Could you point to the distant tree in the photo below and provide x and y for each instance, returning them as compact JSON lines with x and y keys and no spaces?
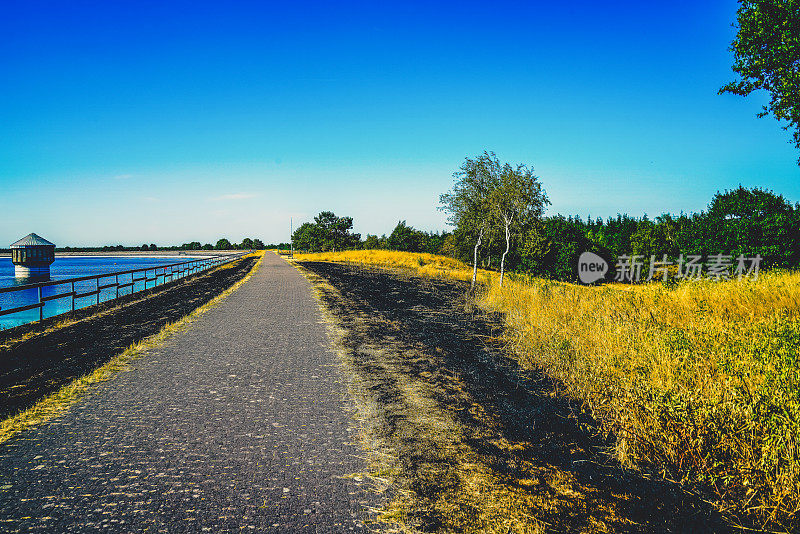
{"x":208,"y":246}
{"x":406,"y":238}
{"x":371,"y":242}
{"x":258,"y":244}
{"x":223,"y":244}
{"x":448,"y":246}
{"x":767,"y":56}
{"x":327,"y":232}
{"x":307,"y":237}
{"x":335,"y":231}
{"x":650,"y":239}
{"x":467,"y":204}
{"x":750,"y":222}
{"x":516,"y":199}
{"x":550,"y":247}
{"x":145,"y":247}
{"x":247,"y":243}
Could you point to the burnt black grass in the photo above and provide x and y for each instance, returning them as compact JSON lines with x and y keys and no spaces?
{"x":404,"y":333}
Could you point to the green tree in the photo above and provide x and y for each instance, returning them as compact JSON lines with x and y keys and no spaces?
{"x":258,"y":244}
{"x":307,"y":237}
{"x":767,"y":56}
{"x":371,"y":242}
{"x":406,"y":238}
{"x":247,"y":244}
{"x":516,"y":199}
{"x":208,"y":246}
{"x":550,"y":247}
{"x":335,"y":231}
{"x":650,"y":239}
{"x":223,"y":244}
{"x":467,"y":204}
{"x":750,"y":222}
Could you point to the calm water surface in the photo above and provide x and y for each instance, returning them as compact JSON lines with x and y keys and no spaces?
{"x":71,"y":267}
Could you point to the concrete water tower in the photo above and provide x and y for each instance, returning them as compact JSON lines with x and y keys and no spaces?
{"x":32,"y":256}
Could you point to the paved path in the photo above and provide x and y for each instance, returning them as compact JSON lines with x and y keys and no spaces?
{"x":237,"y":423}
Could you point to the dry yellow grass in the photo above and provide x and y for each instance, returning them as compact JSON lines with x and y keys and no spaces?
{"x":700,"y":381}
{"x":418,"y":262}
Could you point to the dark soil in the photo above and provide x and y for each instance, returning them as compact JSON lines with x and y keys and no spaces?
{"x":43,"y":363}
{"x":517,"y":424}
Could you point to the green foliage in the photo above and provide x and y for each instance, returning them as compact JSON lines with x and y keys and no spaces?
{"x":746,"y":222}
{"x":371,"y":242}
{"x":489,"y":202}
{"x":767,"y":56}
{"x":406,"y":238}
{"x":753,"y":221}
{"x":650,"y":239}
{"x":550,"y":247}
{"x":223,"y":244}
{"x":468,"y":204}
{"x":327,"y":233}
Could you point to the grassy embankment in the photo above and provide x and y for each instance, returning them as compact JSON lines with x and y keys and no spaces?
{"x":419,"y":263}
{"x":699,"y":382}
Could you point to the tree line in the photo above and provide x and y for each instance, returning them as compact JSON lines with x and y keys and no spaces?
{"x":221,"y":244}
{"x":496,"y":211}
{"x":329,"y":233}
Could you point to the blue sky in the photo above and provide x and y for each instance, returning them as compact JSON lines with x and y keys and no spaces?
{"x":168,"y":122}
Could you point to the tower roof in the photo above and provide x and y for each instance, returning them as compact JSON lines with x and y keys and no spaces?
{"x":32,"y":240}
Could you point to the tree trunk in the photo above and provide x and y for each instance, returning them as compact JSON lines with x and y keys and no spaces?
{"x":475,"y":259}
{"x":508,"y":245}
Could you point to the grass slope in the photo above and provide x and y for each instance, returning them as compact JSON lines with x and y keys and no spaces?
{"x":698,"y":382}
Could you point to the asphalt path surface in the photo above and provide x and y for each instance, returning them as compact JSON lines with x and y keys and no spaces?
{"x":238,"y":423}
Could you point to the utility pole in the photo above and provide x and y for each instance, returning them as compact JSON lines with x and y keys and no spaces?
{"x":291,"y":239}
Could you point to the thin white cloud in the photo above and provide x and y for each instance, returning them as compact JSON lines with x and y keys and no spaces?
{"x":235,"y":196}
{"x":151,"y":199}
{"x":123,"y":176}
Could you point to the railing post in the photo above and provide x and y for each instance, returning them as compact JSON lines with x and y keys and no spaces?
{"x":41,"y":308}
{"x":97,"y":288}
{"x":116,"y":289}
{"x":73,"y":296}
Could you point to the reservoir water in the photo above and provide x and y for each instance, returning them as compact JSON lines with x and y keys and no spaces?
{"x":72,"y":267}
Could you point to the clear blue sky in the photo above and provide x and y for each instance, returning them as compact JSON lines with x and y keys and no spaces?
{"x":168,"y":122}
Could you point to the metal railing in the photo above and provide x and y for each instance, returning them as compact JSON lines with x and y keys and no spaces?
{"x":122,"y":281}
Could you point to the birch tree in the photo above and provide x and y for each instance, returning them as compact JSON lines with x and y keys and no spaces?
{"x":468,"y":202}
{"x":515,"y":199}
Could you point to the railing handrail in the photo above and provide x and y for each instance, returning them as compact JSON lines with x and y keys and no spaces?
{"x":206,"y":263}
{"x":115,"y":273}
